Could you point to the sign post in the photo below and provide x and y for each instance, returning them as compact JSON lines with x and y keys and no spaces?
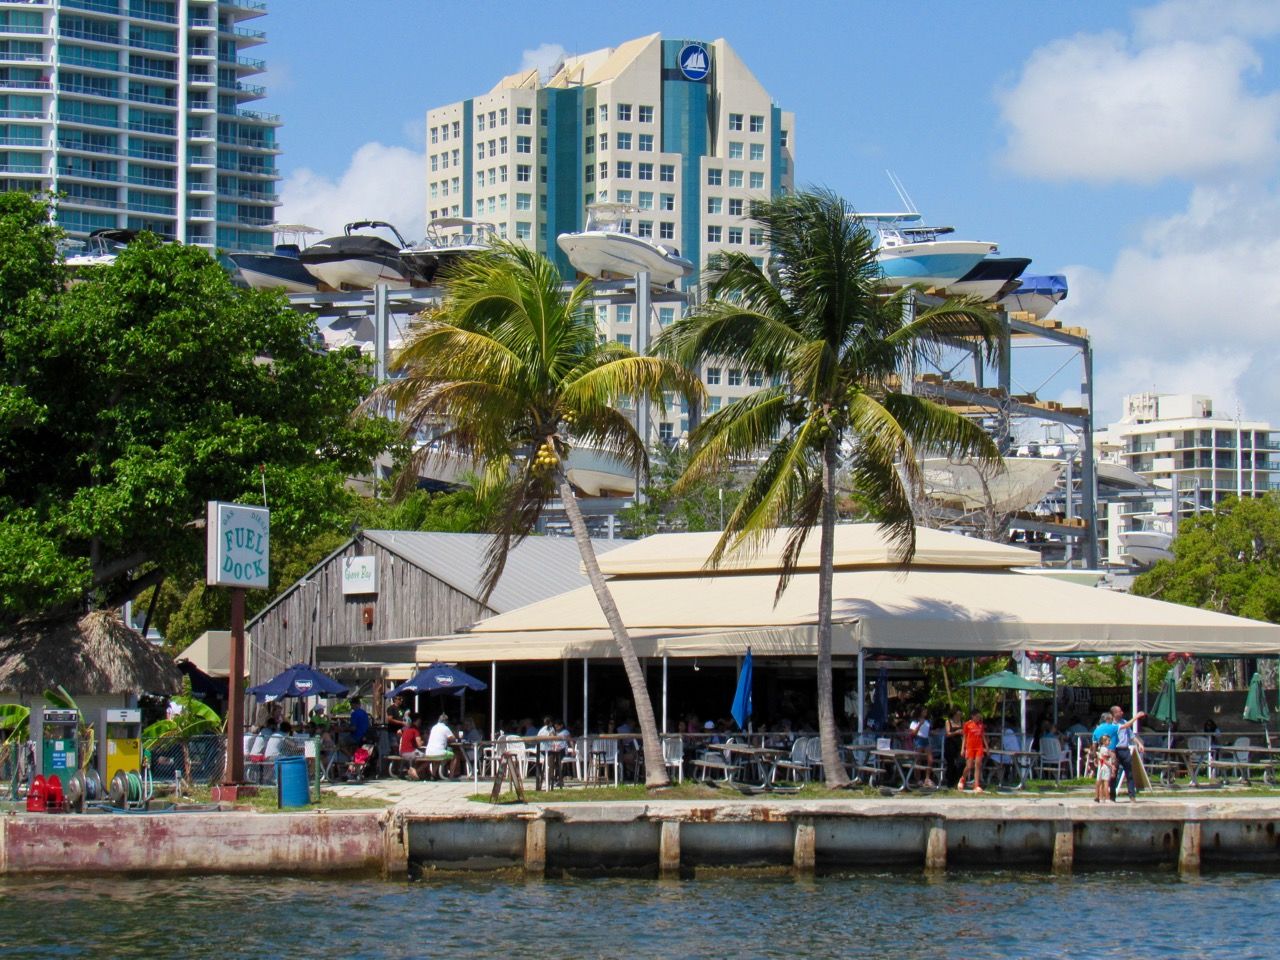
{"x":238,"y":556}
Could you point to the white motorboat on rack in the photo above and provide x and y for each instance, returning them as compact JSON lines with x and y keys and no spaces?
{"x":282,"y":269}
{"x":607,"y":250}
{"x":1037,"y":295}
{"x":101,"y":248}
{"x":448,"y":240}
{"x":358,"y":261}
{"x":1148,"y":544}
{"x":912,"y":253}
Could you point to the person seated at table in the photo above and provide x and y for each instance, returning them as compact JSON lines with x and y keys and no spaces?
{"x":975,"y":751}
{"x":442,"y":759}
{"x":471,"y":732}
{"x":920,"y":729}
{"x":412,"y":748}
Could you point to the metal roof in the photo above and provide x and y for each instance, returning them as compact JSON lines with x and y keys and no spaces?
{"x":538,"y":568}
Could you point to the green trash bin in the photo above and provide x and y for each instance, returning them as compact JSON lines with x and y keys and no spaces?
{"x":292,"y":788}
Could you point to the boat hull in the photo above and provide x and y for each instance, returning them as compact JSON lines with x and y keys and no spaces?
{"x":357,"y":262}
{"x":1145,"y":548}
{"x":599,"y":253}
{"x":269,"y":271}
{"x":1037,"y":295}
{"x":935,"y":263}
{"x":991,"y":278}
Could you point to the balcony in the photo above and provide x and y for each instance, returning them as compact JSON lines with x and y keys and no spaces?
{"x":153,"y":16}
{"x":23,"y":142}
{"x":152,"y":45}
{"x":274,"y":118}
{"x":72,"y":200}
{"x":23,"y":115}
{"x":152,"y":156}
{"x":81,"y":173}
{"x":156,"y":129}
{"x":25,"y":84}
{"x":154,"y":101}
{"x":200,"y":23}
{"x":254,"y":8}
{"x":81,"y":146}
{"x":170,"y":75}
{"x":93,"y":36}
{"x":38,"y":58}
{"x":22,"y":169}
{"x":111,"y":7}
{"x":200,"y":53}
{"x":249,"y":143}
{"x":26,"y":29}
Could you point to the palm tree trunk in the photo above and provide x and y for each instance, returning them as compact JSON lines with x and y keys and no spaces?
{"x":655,"y":768}
{"x":832,"y":765}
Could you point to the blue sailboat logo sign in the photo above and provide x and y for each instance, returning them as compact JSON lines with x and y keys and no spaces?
{"x":694,"y":61}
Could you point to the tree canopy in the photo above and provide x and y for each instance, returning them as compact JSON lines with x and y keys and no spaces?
{"x":139,"y":391}
{"x":1226,"y":560}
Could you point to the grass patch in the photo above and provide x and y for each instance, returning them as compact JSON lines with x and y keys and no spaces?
{"x":264,"y":801}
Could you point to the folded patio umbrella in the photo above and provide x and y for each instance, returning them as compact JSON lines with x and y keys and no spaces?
{"x":1255,"y":706}
{"x":1165,"y":708}
{"x":742,"y":698}
{"x":299,"y":680}
{"x":879,"y":717}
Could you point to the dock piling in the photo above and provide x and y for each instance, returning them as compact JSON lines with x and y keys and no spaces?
{"x":804,"y":856}
{"x":1064,"y":847}
{"x":1189,"y":849}
{"x":935,"y":847}
{"x":669,"y":848}
{"x":535,"y":846}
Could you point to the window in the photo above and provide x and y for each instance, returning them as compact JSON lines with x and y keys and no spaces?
{"x":735,"y":234}
{"x":542,"y":116}
{"x":624,"y":313}
{"x":735,"y":378}
{"x":457,"y":157}
{"x":714,"y":234}
{"x":523,"y":230}
{"x":757,"y":151}
{"x":645,"y":171}
{"x":735,"y":178}
{"x":524,"y":201}
{"x":502,"y":175}
{"x":624,"y":111}
{"x":644,"y":228}
{"x":624,"y":340}
{"x":602,"y":314}
{"x":542,"y":174}
{"x":457,"y":129}
{"x":714,"y":205}
{"x":624,"y":141}
{"x":714,"y":177}
{"x":713,"y":404}
{"x":757,"y":180}
{"x":666,"y":230}
{"x":755,"y":378}
{"x":757,"y":123}
{"x":604,"y":141}
{"x":480,"y":150}
{"x":713,"y":376}
{"x":757,"y":236}
{"x":735,"y":121}
{"x":591,"y":116}
{"x":735,"y":149}
{"x":624,"y":196}
{"x":480,"y":179}
{"x":589,"y":144}
{"x":493,"y":118}
{"x":502,"y":146}
{"x":646,"y":143}
{"x":444,"y":131}
{"x":524,"y":116}
{"x":666,"y":432}
{"x":503,"y":115}
{"x":524,"y":144}
{"x":667,"y":201}
{"x":435,"y":134}
{"x":646,"y":200}
{"x":434,"y":159}
{"x":604,"y":112}
{"x":604,"y":171}
{"x":735,"y":208}
{"x":624,"y":169}
{"x":645,"y":114}
{"x":542,"y":146}
{"x":591,"y":173}
{"x":479,"y":121}
{"x":667,"y":173}
{"x":524,"y":173}
{"x":666,"y":315}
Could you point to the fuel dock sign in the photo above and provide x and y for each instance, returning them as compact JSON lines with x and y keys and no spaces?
{"x":239,"y":545}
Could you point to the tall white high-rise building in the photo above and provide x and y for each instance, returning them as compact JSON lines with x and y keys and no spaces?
{"x":134,"y":112}
{"x":688,"y":140}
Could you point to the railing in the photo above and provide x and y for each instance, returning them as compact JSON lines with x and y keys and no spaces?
{"x":42,"y":58}
{"x":274,"y":118}
{"x":25,"y":84}
{"x":67,"y":86}
{"x":257,"y":6}
{"x":152,"y":16}
{"x":96,"y":6}
{"x":20,"y":168}
{"x":199,"y":103}
{"x":90,"y":174}
{"x":90,"y":147}
{"x":200,"y":23}
{"x":96,"y":36}
{"x":157,"y":101}
{"x":154,"y":182}
{"x":28,"y":29}
{"x":70,"y":60}
{"x":170,"y":75}
{"x":21,"y":115}
{"x":246,"y":34}
{"x":153,"y":156}
{"x":251,"y":62}
{"x":153,"y":45}
{"x":22,"y":142}
{"x":92,"y":202}
{"x":139,"y":127}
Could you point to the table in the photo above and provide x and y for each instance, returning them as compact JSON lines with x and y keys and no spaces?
{"x":896,"y":759}
{"x":1168,"y":760}
{"x":764,"y":759}
{"x":1267,"y":759}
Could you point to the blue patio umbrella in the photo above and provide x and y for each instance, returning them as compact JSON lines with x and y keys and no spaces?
{"x":878,"y":719}
{"x":742,"y":699}
{"x":440,"y":678}
{"x":299,"y":680}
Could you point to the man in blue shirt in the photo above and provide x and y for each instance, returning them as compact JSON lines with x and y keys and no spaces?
{"x":359,"y":723}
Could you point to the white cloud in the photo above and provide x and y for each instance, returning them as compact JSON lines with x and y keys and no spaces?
{"x":380,"y":183}
{"x":1207,"y":18}
{"x":542,"y":57}
{"x":1191,"y":306}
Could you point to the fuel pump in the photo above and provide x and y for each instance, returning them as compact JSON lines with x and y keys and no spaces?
{"x":119,"y":742}
{"x":57,"y":739}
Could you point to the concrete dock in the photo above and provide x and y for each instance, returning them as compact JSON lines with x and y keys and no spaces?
{"x":434,"y":827}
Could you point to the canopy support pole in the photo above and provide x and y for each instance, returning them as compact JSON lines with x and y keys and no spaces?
{"x":584,"y":696}
{"x":564,"y":690}
{"x":493,"y":699}
{"x":664,"y":693}
{"x":1133,"y":684}
{"x":972,"y":677}
{"x":862,"y":696}
{"x":1053,"y":668}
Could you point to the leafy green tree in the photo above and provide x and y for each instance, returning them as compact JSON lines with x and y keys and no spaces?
{"x":821,"y":329}
{"x":136,"y":394}
{"x":702,"y":506}
{"x":511,"y":374}
{"x":1227,"y":560}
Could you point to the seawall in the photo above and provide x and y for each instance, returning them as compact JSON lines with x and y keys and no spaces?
{"x":674,"y":838}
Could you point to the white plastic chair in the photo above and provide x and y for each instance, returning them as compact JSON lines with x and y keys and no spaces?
{"x":673,"y":756}
{"x":520,"y":750}
{"x":1053,"y":757}
{"x":1241,"y":758}
{"x":1199,"y":757}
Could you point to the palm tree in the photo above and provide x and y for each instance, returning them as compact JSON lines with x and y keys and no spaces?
{"x":833,"y":343}
{"x":510,"y":372}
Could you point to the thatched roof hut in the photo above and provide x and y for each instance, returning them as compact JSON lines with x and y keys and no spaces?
{"x":96,"y":654}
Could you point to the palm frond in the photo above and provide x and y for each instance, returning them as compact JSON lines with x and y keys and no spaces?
{"x":742,"y":429}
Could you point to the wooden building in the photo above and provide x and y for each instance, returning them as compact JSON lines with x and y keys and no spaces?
{"x":385,"y":586}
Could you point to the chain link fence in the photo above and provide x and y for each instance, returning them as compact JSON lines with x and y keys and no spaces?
{"x":200,"y":761}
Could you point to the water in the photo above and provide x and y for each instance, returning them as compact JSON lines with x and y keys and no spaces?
{"x":992,"y":915}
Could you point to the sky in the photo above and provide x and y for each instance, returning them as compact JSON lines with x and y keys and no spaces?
{"x":1134,"y":147}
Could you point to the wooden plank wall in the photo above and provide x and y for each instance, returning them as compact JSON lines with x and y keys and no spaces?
{"x":409,"y":603}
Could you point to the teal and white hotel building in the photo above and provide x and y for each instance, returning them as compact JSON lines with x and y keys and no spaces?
{"x":679,"y":129}
{"x":136,"y":113}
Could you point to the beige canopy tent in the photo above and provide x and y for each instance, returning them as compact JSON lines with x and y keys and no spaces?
{"x":211,"y":652}
{"x":960,"y":596}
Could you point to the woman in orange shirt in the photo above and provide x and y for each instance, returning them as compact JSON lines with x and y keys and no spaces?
{"x":975,"y":748}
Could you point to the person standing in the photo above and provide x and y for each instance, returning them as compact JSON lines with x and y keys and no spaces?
{"x":955,"y":746}
{"x":975,"y":751}
{"x":1106,"y":758}
{"x":1124,"y":744}
{"x":921,"y":728}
